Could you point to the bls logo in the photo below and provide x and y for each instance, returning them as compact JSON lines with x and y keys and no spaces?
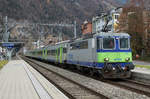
{"x":117,"y":59}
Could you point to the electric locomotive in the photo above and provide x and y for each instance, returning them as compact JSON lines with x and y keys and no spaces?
{"x":108,"y":53}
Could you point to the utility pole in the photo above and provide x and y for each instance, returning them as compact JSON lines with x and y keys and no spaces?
{"x":6,"y":28}
{"x":75,"y":29}
{"x":60,"y":34}
{"x":6,"y":33}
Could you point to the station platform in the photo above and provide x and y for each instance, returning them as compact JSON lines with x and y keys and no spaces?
{"x":141,"y":74}
{"x":18,"y":80}
{"x":142,"y":70}
{"x":137,"y":62}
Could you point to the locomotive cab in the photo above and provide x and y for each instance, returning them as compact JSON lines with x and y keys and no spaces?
{"x":114,"y":55}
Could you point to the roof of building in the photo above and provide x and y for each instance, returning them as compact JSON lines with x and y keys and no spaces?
{"x":111,"y":34}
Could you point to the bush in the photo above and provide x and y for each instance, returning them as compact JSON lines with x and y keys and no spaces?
{"x":2,"y":63}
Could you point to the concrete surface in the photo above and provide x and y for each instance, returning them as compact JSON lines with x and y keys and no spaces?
{"x":136,"y":62}
{"x":141,"y":74}
{"x":18,"y":80}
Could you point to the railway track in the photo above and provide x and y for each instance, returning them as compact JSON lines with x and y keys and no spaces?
{"x":131,"y":85}
{"x":137,"y":82}
{"x":72,"y":89}
{"x":126,"y":84}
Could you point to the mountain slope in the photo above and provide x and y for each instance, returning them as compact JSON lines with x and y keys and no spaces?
{"x":52,"y":10}
{"x":55,"y":11}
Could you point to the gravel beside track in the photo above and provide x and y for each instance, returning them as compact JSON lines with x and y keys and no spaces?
{"x":103,"y":88}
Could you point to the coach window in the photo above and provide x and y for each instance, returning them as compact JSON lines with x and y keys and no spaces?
{"x":124,"y":43}
{"x":40,"y":52}
{"x":35,"y":53}
{"x":108,"y":43}
{"x":78,"y":45}
{"x":84,"y":45}
{"x":98,"y":43}
{"x":48,"y":52}
{"x":53,"y":52}
{"x":73,"y":46}
{"x":64,"y":50}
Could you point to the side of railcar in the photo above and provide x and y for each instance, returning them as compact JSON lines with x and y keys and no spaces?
{"x":61,"y":54}
{"x":31,"y":53}
{"x":56,"y":53}
{"x":39,"y":54}
{"x":81,"y":53}
{"x":51,"y":53}
{"x":28,"y":54}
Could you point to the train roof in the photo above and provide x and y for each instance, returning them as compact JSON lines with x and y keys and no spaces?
{"x":102,"y":34}
{"x":111,"y":34}
{"x":63,"y":42}
{"x":80,"y":39}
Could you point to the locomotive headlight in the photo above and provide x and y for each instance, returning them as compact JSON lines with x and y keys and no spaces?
{"x":106,"y":59}
{"x":128,"y":59}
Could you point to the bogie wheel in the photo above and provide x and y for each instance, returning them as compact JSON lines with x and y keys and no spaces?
{"x":100,"y":75}
{"x":92,"y":72}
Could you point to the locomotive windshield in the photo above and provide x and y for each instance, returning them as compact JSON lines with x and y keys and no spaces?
{"x":108,"y":43}
{"x":124,"y":43}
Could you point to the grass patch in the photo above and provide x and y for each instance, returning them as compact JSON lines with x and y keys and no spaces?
{"x":141,"y":66}
{"x":2,"y":63}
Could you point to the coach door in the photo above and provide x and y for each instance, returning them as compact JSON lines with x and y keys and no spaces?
{"x":94,"y":50}
{"x":60,"y":54}
{"x":64,"y":54}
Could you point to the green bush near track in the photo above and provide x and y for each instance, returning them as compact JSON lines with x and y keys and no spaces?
{"x":2,"y":63}
{"x":141,"y":66}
